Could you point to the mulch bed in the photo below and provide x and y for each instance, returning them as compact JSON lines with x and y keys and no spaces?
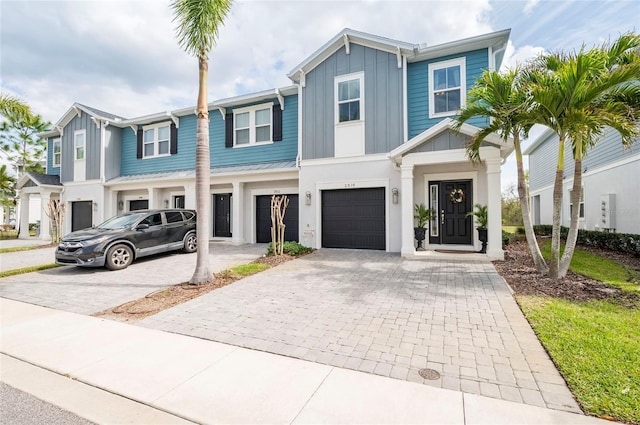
{"x":519,"y":272}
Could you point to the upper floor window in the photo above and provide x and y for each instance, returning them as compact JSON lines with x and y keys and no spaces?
{"x":79,"y":142}
{"x":57,"y":152}
{"x":155,"y":139}
{"x":252,"y":125}
{"x":349,"y":94}
{"x":447,"y":87}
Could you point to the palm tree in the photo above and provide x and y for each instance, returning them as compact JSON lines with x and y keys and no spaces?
{"x":10,"y":105}
{"x":578,"y":96}
{"x":503,"y":99}
{"x":198,"y":22}
{"x":7,"y":191}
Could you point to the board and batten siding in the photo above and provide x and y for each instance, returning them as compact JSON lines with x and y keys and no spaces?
{"x":283,"y":150}
{"x":185,"y":159}
{"x":382,"y":97}
{"x":92,"y":148}
{"x":113,"y":149}
{"x":476,"y":61}
{"x":54,"y":171}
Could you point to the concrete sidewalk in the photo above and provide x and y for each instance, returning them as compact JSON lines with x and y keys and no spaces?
{"x":177,"y":377}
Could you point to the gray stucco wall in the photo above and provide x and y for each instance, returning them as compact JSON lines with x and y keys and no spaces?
{"x":382,"y":97}
{"x":92,"y":148}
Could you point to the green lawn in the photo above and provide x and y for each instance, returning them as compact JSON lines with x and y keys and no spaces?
{"x":602,"y":269}
{"x":27,"y":270}
{"x":596,"y":347}
{"x":596,"y":344}
{"x":510,"y":229}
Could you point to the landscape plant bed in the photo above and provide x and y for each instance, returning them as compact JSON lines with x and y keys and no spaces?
{"x":163,"y":299}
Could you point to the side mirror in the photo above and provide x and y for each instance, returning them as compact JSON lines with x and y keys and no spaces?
{"x":142,"y":226}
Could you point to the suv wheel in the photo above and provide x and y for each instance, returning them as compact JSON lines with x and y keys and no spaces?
{"x":190,"y":243}
{"x":119,"y":257}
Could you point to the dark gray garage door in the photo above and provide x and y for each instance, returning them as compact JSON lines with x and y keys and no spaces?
{"x":81,"y":215}
{"x":353,"y":218}
{"x":263,"y":219}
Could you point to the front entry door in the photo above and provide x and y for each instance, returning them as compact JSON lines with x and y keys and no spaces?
{"x":452,"y":200}
{"x":222,"y":215}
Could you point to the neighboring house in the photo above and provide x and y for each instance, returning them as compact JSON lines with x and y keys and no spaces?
{"x":363,"y":134}
{"x":610,"y":184}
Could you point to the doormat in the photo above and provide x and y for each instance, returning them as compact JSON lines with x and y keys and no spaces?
{"x":453,"y":251}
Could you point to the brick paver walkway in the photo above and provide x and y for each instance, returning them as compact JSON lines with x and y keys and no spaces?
{"x":378,"y":313}
{"x":89,"y":290}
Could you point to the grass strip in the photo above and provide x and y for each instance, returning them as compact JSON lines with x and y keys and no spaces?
{"x":27,"y":269}
{"x":602,"y":269}
{"x":596,"y":347}
{"x":23,"y":248}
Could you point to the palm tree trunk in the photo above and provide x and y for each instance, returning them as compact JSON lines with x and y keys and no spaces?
{"x":202,"y":274}
{"x":572,"y":237}
{"x":554,"y":264}
{"x":523,"y":193}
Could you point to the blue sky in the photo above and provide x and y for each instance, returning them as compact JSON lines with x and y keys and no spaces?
{"x":122,"y":57}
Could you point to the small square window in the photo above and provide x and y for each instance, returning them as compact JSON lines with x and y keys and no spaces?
{"x":447,"y":88}
{"x":349,"y":98}
{"x":252,"y":125}
{"x":156,"y":140}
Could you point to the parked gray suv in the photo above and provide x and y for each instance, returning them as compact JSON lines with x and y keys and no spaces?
{"x":123,"y":238}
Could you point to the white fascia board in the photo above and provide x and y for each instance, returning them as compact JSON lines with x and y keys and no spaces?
{"x":495,"y":39}
{"x":542,"y":137}
{"x":368,"y":40}
{"x":47,"y":134}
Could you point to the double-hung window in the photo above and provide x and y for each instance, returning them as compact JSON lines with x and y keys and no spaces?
{"x":252,"y":125}
{"x":349,"y":97}
{"x":155,"y":140}
{"x":447,"y":87}
{"x":56,"y":148}
{"x":79,"y":142}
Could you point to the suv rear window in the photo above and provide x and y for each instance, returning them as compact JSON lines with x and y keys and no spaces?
{"x":188,"y":215}
{"x":173,"y":216}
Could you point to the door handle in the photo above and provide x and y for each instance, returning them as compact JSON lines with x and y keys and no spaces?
{"x":442,"y":217}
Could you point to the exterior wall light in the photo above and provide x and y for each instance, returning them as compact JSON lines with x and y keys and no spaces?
{"x":307,"y":198}
{"x":394,"y":195}
{"x":120,"y":205}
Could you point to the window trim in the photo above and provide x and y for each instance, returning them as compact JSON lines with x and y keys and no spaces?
{"x":58,"y":141}
{"x":336,"y":103}
{"x":434,"y":66}
{"x":252,"y":124}
{"x":156,"y":142}
{"x":84,"y":145}
{"x":580,"y":204}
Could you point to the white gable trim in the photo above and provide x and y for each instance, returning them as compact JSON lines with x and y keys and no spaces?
{"x":430,"y":133}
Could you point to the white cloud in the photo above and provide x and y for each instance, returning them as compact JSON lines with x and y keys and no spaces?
{"x":531,"y":4}
{"x":514,"y":57}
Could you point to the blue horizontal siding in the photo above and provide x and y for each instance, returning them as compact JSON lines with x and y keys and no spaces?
{"x":55,"y":171}
{"x":285,"y":150}
{"x":418,"y":89}
{"x":183,"y":160}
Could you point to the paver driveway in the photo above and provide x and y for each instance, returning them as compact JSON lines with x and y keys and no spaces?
{"x":378,"y":313}
{"x":88,"y":290}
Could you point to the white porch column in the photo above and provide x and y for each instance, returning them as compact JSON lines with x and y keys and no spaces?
{"x":24,"y":216}
{"x":237,"y":216}
{"x":406,"y":210}
{"x":494,"y":210}
{"x":154,"y":198}
{"x":45,"y":197}
{"x":190,"y":196}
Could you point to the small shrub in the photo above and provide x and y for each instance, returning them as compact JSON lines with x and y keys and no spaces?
{"x":506,"y":238}
{"x":520,"y":231}
{"x":292,"y":248}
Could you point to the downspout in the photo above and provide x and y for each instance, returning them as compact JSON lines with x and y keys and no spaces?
{"x":495,"y":53}
{"x":300,"y":99}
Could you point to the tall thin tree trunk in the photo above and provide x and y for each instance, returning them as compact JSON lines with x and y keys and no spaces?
{"x":523,"y":193}
{"x":554,"y":264}
{"x":202,"y":274}
{"x":572,"y":237}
